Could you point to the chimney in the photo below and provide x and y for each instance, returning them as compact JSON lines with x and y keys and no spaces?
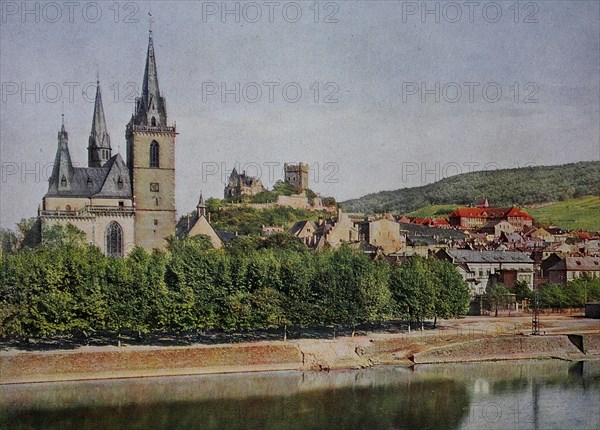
{"x":209,"y":217}
{"x":339,"y":213}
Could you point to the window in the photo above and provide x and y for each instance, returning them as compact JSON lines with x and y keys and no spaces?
{"x":68,"y":208}
{"x":114,"y":240}
{"x":120,"y":183}
{"x":121,"y":204}
{"x":154,"y":187}
{"x":89,"y":182}
{"x":63,"y":181}
{"x":154,"y":154}
{"x":153,"y":122}
{"x":155,"y":222}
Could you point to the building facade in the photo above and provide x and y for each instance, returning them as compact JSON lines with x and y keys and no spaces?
{"x":119,"y":205}
{"x":481,"y":269}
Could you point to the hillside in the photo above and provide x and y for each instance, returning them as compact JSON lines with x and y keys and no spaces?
{"x":573,"y":214}
{"x":506,"y":187}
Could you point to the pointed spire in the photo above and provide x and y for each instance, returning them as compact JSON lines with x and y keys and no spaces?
{"x":201,"y":207}
{"x":150,"y":85}
{"x":99,"y":149}
{"x":150,"y":106}
{"x":62,"y":172}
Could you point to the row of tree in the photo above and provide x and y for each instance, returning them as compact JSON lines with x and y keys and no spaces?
{"x":574,"y":294}
{"x":66,"y":286}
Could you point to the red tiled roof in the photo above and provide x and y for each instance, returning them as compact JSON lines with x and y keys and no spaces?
{"x":489,"y":213}
{"x":516,"y":212}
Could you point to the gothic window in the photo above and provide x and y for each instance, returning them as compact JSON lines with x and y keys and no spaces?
{"x":120,"y":183}
{"x":154,"y":161}
{"x":153,"y":122}
{"x":114,"y":240}
{"x":89,"y":182}
{"x":68,"y":208}
{"x":63,"y":181}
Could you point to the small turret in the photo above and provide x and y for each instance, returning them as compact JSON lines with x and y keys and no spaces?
{"x":201,"y":207}
{"x":99,"y":150}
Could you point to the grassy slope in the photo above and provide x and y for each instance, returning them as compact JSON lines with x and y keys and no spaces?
{"x":437,"y":211}
{"x":573,"y":214}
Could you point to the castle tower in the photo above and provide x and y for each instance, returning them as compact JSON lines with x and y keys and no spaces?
{"x":296,"y":175}
{"x":151,"y":161}
{"x":99,"y":150}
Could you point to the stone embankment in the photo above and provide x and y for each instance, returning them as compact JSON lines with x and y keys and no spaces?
{"x":342,"y":353}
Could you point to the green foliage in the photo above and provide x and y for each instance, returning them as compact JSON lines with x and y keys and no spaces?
{"x":552,"y":296}
{"x":523,"y":186}
{"x":249,"y":221}
{"x":576,"y":293}
{"x":522,"y":291}
{"x":497,"y":295}
{"x":428,"y":289}
{"x":66,"y":286}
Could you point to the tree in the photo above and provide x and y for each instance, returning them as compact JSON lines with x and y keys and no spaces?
{"x":413,"y":288}
{"x":497,"y":295}
{"x":451,"y":293}
{"x":522,"y":291}
{"x":552,"y":296}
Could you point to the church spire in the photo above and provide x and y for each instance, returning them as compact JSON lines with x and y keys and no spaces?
{"x":99,"y":150}
{"x":151,"y":108}
{"x":201,"y":207}
{"x":62,"y":172}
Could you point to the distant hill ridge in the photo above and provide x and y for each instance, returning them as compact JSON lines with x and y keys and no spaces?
{"x":505,"y":187}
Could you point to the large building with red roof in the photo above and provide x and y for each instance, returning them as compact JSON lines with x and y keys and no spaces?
{"x":480,"y":216}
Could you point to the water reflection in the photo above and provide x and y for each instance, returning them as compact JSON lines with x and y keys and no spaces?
{"x":459,"y":396}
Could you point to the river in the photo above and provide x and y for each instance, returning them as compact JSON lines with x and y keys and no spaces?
{"x":499,"y":395}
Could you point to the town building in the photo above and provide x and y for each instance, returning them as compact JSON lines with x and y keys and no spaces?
{"x":199,"y":224}
{"x":478,"y":217}
{"x":571,"y":268}
{"x":481,"y":269}
{"x":382,"y":233}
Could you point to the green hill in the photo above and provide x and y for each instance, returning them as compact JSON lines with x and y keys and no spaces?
{"x":573,"y":214}
{"x":506,"y":187}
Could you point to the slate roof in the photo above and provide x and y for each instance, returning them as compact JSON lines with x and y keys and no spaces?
{"x":469,"y":256}
{"x":109,"y":181}
{"x":579,"y":264}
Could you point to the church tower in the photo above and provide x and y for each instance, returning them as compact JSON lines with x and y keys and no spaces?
{"x":99,"y":150}
{"x":151,"y":161}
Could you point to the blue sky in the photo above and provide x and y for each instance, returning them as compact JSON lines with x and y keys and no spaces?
{"x":389,"y":98}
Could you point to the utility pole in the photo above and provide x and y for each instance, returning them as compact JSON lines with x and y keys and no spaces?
{"x":535,"y":319}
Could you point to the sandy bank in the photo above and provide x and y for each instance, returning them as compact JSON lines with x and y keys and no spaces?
{"x":342,"y":353}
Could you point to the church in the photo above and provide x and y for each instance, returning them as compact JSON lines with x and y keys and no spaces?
{"x":119,"y":203}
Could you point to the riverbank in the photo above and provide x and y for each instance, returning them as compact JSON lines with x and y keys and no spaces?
{"x":441,"y":346}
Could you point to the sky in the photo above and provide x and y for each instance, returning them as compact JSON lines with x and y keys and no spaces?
{"x":373,"y":95}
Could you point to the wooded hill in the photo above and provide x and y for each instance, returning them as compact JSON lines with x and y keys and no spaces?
{"x":505,"y":187}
